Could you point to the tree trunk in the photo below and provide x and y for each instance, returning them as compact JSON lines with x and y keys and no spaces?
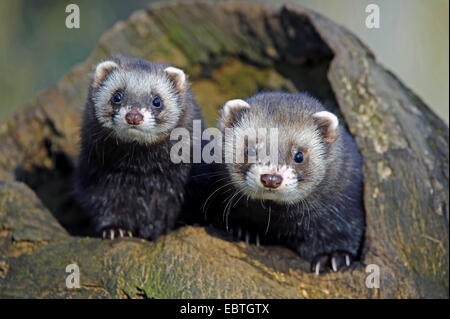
{"x":230,"y":50}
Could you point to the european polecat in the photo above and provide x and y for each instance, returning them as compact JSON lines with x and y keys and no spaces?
{"x":125,"y":179}
{"x":310,"y":199}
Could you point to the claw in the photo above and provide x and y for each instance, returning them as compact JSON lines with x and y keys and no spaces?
{"x":239,"y":234}
{"x":317,"y":269}
{"x":347,"y":260}
{"x":257,"y":240}
{"x":334,"y":264}
{"x":247,"y":237}
{"x":111,"y":233}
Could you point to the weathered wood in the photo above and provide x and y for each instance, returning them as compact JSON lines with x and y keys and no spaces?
{"x":230,"y":50}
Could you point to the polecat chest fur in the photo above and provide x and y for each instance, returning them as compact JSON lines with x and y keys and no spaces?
{"x":125,"y":179}
{"x":309,"y":198}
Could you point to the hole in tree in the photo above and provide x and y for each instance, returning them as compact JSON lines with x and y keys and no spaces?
{"x":53,"y":185}
{"x":300,"y":64}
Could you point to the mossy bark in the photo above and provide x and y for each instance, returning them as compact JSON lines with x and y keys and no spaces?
{"x":230,"y":49}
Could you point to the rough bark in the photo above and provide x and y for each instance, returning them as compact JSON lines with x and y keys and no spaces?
{"x":230,"y":50}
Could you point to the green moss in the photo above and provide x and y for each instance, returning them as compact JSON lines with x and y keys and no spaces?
{"x":233,"y":78}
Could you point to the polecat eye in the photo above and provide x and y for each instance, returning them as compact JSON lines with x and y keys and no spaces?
{"x":156,"y":102}
{"x":298,"y":157}
{"x":117,"y":98}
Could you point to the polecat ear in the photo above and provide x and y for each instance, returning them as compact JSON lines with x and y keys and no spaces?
{"x":102,"y":70}
{"x":328,"y":125}
{"x":178,"y":78}
{"x":231,"y":111}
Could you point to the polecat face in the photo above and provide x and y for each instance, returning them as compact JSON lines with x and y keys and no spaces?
{"x":305,"y":139}
{"x":138,"y":100}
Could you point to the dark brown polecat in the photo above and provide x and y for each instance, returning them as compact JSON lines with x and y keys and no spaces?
{"x":310,"y":199}
{"x":125,"y":179}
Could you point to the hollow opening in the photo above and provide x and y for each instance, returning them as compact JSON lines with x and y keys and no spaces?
{"x":300,"y":63}
{"x":52,"y":183}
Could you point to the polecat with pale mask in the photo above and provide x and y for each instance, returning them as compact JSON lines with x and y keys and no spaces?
{"x":125,"y":179}
{"x":309,"y":198}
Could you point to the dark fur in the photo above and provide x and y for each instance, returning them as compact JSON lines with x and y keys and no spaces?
{"x":127,"y":185}
{"x":313,"y":227}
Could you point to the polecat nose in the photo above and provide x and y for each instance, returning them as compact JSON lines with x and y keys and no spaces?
{"x":271,"y":180}
{"x":134,"y":117}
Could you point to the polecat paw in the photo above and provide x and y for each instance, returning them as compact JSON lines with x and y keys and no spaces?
{"x":246,"y":235}
{"x":337,"y":261}
{"x":113,"y":232}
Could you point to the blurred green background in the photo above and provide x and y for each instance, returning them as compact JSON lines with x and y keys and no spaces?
{"x":37,"y":48}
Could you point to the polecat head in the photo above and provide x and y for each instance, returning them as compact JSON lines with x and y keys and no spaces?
{"x":306,"y":142}
{"x":138,"y":100}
